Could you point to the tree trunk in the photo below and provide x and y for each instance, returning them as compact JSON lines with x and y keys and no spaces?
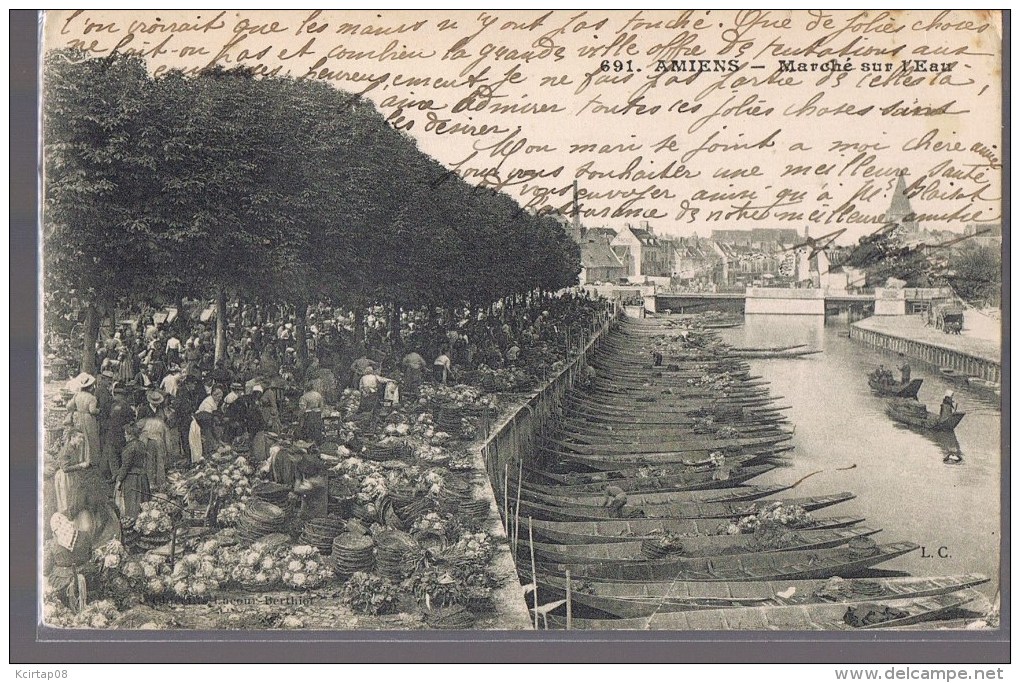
{"x":179,"y":325}
{"x":301,"y":332}
{"x":88,"y":351}
{"x":221,"y":324}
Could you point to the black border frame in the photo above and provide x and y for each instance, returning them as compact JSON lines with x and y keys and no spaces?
{"x":31,"y":644}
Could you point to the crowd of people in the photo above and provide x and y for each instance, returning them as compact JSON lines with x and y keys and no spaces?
{"x":161,"y":401}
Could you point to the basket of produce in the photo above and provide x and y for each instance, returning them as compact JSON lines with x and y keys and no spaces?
{"x":863,"y":546}
{"x":412,"y":510}
{"x":352,"y":553}
{"x":271,"y":492}
{"x":402,"y":495}
{"x":395,"y":552}
{"x":384,"y":451}
{"x":260,"y":519}
{"x":320,"y":532}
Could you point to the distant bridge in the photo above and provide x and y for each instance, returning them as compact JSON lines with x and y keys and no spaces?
{"x":786,"y":301}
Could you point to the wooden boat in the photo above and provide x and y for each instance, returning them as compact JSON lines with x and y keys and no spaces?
{"x":607,"y":392}
{"x":666,"y":402}
{"x":631,"y":600}
{"x":800,"y":353}
{"x":685,"y":468}
{"x":895,"y":389}
{"x":616,"y":461}
{"x":733,"y":510}
{"x":581,"y":428}
{"x":689,"y":442}
{"x":698,"y":546}
{"x":807,"y":617}
{"x":776,"y":566}
{"x":621,"y":530}
{"x":614,"y":384}
{"x":735,"y":493}
{"x":637,"y":419}
{"x":914,"y":414}
{"x":985,"y":385}
{"x":717,"y":478}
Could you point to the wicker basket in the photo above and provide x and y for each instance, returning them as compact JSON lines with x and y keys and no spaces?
{"x":352,"y":553}
{"x":395,"y":551}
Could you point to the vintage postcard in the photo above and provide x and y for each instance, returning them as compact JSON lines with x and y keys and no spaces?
{"x":511,"y":320}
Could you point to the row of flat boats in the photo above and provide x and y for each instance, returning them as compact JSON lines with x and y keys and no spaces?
{"x":636,"y":498}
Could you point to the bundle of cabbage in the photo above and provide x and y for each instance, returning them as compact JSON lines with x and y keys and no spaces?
{"x":196,"y":575}
{"x":111,"y":554}
{"x":149,"y":572}
{"x":304,"y":568}
{"x":153,"y":520}
{"x":229,"y":483}
{"x":256,"y":568}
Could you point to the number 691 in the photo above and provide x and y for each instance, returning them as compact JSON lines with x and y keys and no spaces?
{"x":617,"y":65}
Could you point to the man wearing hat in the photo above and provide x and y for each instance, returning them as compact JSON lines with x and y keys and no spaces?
{"x":157,"y":438}
{"x":155,"y":405}
{"x":948,"y":406}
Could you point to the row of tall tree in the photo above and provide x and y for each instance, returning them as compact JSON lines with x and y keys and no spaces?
{"x":274,"y":190}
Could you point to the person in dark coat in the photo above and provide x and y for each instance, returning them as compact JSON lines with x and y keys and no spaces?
{"x":189,"y":397}
{"x":904,"y":369}
{"x":132,"y":482}
{"x":121,"y":415}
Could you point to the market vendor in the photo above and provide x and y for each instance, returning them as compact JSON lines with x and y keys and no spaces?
{"x":358,"y":368}
{"x":310,"y":407}
{"x":201,"y":436}
{"x":414,"y":368}
{"x":132,"y":482}
{"x":77,"y":534}
{"x":162,"y":445}
{"x":121,"y":415}
{"x":441,"y":368}
{"x":371,"y":386}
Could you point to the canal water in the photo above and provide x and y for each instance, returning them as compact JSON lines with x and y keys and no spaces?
{"x":901,"y":482}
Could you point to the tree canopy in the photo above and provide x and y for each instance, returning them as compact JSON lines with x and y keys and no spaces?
{"x":267,"y":188}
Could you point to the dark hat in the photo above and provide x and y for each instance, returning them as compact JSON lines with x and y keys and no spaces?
{"x":155,"y":397}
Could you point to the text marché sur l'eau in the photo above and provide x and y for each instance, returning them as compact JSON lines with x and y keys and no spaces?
{"x":847,"y":65}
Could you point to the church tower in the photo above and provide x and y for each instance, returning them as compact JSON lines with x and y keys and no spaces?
{"x":899,"y":211}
